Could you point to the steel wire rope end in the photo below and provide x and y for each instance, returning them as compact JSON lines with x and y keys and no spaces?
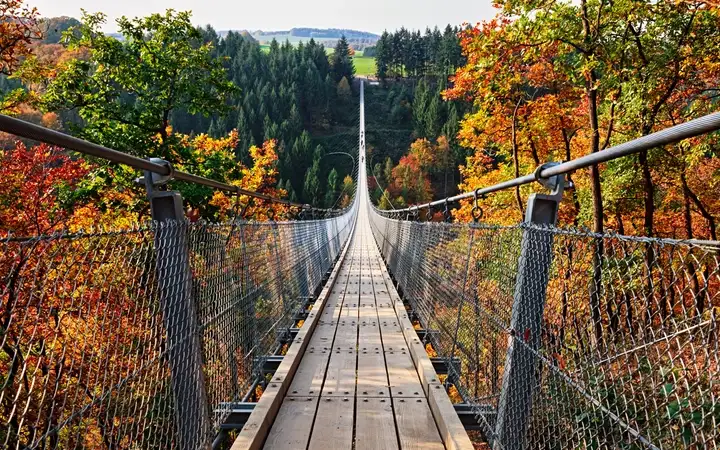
{"x":446,"y":212}
{"x":476,"y":212}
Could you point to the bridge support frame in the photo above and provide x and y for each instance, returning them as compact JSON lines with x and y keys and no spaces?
{"x":174,"y":280}
{"x":520,"y":377}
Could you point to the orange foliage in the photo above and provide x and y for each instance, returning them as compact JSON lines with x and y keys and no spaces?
{"x":410,"y":181}
{"x":18,"y":29}
{"x":34,"y":185}
{"x":261,"y":177}
{"x":529,"y":109}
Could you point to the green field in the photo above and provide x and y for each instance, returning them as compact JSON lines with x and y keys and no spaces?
{"x":364,"y":65}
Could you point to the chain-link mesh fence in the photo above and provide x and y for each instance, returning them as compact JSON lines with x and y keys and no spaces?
{"x":568,"y":339}
{"x":142,"y":338}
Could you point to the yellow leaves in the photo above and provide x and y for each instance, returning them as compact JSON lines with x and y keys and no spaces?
{"x":430,"y":351}
{"x":454,"y":394}
{"x":261,"y":177}
{"x":206,"y":145}
{"x":424,"y":152}
{"x":222,"y":201}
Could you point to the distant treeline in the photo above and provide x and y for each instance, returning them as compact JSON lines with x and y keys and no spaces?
{"x":407,"y":53}
{"x":331,"y":33}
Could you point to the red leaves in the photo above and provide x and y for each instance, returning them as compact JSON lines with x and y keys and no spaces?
{"x":32,"y":182}
{"x":18,"y":28}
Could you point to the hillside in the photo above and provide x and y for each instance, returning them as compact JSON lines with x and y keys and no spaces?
{"x":358,"y":40}
{"x":320,"y":33}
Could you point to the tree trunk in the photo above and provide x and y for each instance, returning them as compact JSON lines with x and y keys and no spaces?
{"x":703,"y":211}
{"x":599,"y":250}
{"x":516,"y":159}
{"x":692,"y":270}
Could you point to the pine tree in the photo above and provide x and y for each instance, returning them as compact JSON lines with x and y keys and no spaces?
{"x":342,"y":64}
{"x":245,"y":138}
{"x":331,"y":192}
{"x":343,"y":90}
{"x":382,"y":56}
{"x":420,"y":108}
{"x":387,"y":172}
{"x":433,"y":118}
{"x":378,"y":173}
{"x":215,"y":129}
{"x":311,"y":187}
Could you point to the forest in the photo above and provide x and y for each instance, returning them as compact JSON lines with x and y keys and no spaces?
{"x":450,"y":110}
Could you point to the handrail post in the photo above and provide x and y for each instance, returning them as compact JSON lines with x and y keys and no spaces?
{"x":520,"y":378}
{"x":183,"y":346}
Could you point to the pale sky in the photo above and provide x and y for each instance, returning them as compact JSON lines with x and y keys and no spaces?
{"x":368,"y":15}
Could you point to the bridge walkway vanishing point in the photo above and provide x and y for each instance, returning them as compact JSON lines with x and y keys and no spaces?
{"x":356,"y":376}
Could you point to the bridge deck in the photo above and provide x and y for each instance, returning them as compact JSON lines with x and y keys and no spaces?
{"x":359,"y":377}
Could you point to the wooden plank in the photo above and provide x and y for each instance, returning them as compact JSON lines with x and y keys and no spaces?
{"x":323,"y":335}
{"x":333,"y":424}
{"x":415,"y":425}
{"x":404,"y":381}
{"x":308,"y":379}
{"x":375,"y":427}
{"x":349,"y":311}
{"x":393,"y":340}
{"x":291,"y":429}
{"x":346,"y":335}
{"x":340,"y":375}
{"x":372,"y":375}
{"x":369,"y":335}
{"x":451,"y":429}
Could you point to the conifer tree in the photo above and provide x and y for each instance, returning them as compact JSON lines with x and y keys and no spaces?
{"x":311,"y":187}
{"x":331,"y":192}
{"x":342,"y":64}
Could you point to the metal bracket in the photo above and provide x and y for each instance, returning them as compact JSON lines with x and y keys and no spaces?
{"x":543,"y":208}
{"x":152,"y":179}
{"x":555,"y":184}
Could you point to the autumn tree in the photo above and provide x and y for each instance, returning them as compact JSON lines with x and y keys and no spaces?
{"x":348,"y":190}
{"x":126,"y":90}
{"x":410,"y":181}
{"x":260,"y":177}
{"x":18,"y":30}
{"x":385,"y":203}
{"x":39,"y":188}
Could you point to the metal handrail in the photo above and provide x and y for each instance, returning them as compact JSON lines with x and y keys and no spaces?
{"x":693,"y":128}
{"x":39,"y":133}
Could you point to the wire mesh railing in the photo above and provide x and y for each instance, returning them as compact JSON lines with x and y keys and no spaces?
{"x":555,"y":355}
{"x":137,"y":338}
{"x":146,"y":338}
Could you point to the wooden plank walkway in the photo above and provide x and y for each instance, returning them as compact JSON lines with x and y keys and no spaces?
{"x":363,"y":379}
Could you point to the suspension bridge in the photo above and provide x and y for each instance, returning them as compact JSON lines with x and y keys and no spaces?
{"x":358,"y":328}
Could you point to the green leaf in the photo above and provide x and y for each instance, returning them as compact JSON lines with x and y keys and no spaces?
{"x":667,"y":389}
